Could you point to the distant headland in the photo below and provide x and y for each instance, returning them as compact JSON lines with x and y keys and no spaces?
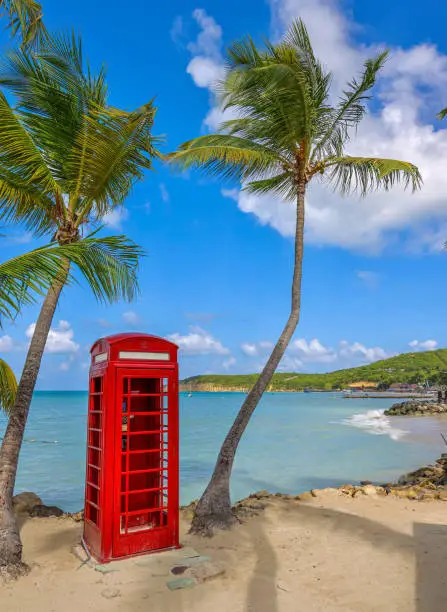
{"x":417,"y":368}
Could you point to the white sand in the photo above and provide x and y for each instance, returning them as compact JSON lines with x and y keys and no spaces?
{"x":331,"y":554}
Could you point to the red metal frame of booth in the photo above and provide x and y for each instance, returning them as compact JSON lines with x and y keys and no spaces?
{"x":132,"y":474}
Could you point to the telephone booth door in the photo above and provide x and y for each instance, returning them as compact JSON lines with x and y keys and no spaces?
{"x":145,"y":515}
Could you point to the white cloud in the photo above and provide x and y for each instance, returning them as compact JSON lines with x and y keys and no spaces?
{"x":301,"y":353}
{"x":116,"y":217}
{"x":60,"y":339}
{"x":103,"y":323}
{"x":402,"y":125}
{"x":23,"y":238}
{"x":207,"y":66}
{"x":6,"y":344}
{"x":425,"y":345}
{"x":312,"y":351}
{"x":198,"y":342}
{"x":369,"y":278}
{"x":250,"y":349}
{"x":356,"y":350}
{"x":164,"y":193}
{"x":177,"y":30}
{"x":131,"y":318}
{"x":228,"y":363}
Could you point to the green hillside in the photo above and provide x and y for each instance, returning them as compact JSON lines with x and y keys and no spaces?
{"x":405,"y":368}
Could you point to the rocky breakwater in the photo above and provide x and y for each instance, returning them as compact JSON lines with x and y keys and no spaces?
{"x":416,"y":408}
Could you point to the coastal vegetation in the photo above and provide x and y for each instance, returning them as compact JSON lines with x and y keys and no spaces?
{"x":286,"y":134}
{"x":412,"y":368}
{"x":68,"y":160}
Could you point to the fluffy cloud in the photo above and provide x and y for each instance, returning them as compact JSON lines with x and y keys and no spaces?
{"x":207,"y":66}
{"x":6,"y":344}
{"x":116,"y":217}
{"x":407,"y":96}
{"x":60,"y":339}
{"x":312,"y":351}
{"x":356,"y":350}
{"x":198,"y":342}
{"x":426,"y":345}
{"x":301,"y":353}
{"x":131,"y":318}
{"x":251,"y":350}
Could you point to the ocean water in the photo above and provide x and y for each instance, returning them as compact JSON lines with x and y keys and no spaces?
{"x":294,"y":442}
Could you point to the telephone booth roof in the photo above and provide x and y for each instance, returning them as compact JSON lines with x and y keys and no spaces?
{"x":110,"y":347}
{"x":136,"y":337}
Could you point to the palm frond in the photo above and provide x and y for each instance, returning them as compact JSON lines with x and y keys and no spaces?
{"x":365,"y":174}
{"x":25,"y":19}
{"x":442,"y":113}
{"x":231,"y":157}
{"x":350,"y":110}
{"x":109,"y":265}
{"x":8,"y":387}
{"x":27,"y":276}
{"x":110,"y":154}
{"x":281,"y":185}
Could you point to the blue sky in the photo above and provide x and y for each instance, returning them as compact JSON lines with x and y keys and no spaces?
{"x":217,"y":274}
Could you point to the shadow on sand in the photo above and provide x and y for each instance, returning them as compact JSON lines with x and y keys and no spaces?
{"x":428,"y":545}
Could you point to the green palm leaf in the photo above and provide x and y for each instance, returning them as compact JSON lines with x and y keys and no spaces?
{"x":8,"y":387}
{"x":364,"y":174}
{"x":25,"y":18}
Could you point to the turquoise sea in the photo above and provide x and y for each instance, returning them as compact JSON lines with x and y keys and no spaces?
{"x":295,"y":441}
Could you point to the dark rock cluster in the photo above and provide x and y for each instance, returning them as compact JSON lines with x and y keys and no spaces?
{"x":416,"y":408}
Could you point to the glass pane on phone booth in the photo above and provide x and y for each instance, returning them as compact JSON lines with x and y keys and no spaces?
{"x":143,"y":498}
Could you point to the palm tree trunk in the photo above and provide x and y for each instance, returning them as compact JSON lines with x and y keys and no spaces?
{"x":214,"y":508}
{"x":11,"y":563}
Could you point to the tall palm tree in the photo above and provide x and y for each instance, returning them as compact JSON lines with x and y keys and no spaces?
{"x":25,"y":20}
{"x":286,"y":135}
{"x":66,"y":160}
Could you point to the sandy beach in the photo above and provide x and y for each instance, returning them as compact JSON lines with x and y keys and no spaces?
{"x":330,"y":553}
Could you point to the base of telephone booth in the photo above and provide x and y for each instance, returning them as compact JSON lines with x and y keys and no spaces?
{"x":102,"y":560}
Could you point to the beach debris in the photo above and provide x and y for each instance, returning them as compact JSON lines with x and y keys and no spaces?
{"x":106,"y":568}
{"x":188,"y":551}
{"x":180,"y":583}
{"x":110,"y":593}
{"x":178,"y":569}
{"x":192,"y":561}
{"x":205,"y":571}
{"x":76,"y":516}
{"x":328,"y":492}
{"x":305,"y":496}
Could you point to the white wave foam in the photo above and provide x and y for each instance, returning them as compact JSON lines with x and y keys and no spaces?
{"x":375,"y":423}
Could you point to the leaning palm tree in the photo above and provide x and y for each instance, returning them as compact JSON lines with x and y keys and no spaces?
{"x":286,"y":135}
{"x":25,"y":20}
{"x":66,"y":160}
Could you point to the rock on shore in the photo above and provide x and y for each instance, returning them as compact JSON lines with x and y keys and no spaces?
{"x":416,"y":408}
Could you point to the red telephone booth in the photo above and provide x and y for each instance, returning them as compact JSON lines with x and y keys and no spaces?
{"x":131,"y":489}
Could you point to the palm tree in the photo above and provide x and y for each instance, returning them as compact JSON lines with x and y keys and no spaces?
{"x":25,"y":19}
{"x":286,"y":135}
{"x":67,"y":160}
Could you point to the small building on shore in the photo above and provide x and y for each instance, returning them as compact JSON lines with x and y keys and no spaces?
{"x":403,"y":387}
{"x":363,"y":385}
